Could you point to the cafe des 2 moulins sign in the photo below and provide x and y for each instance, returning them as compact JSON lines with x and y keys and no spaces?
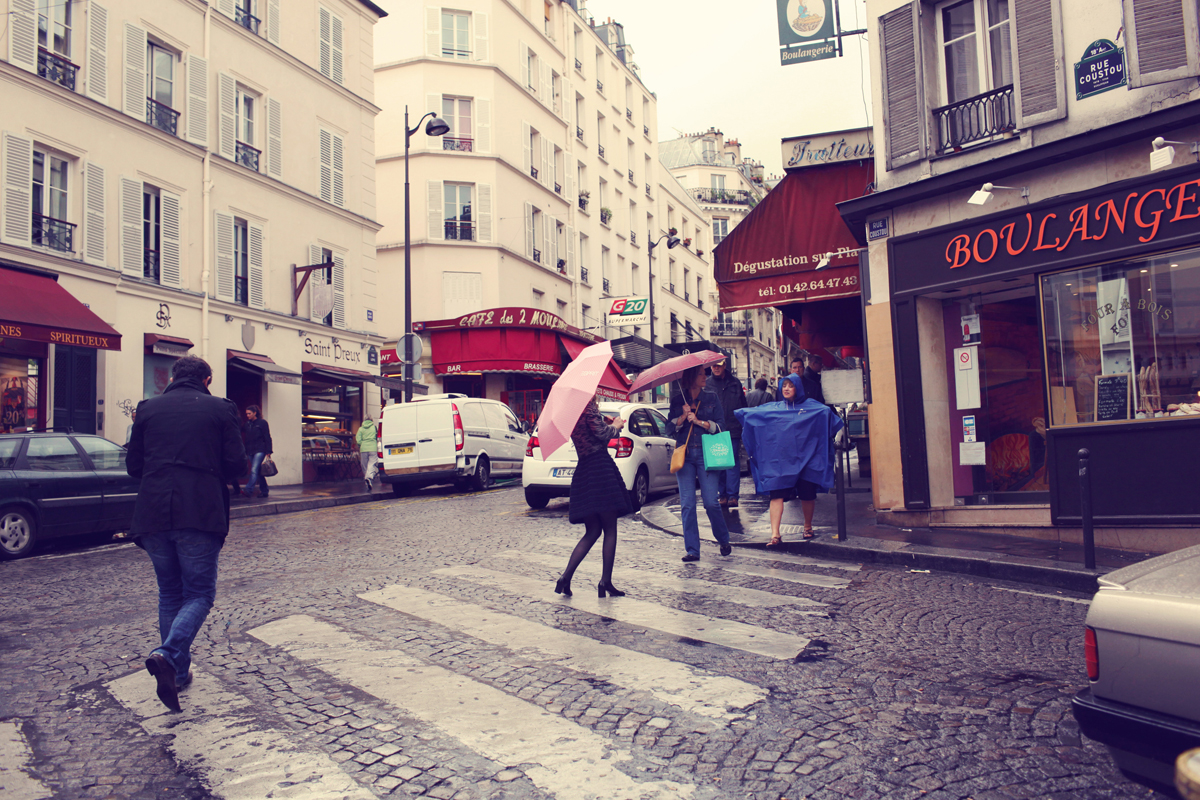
{"x":1102,"y":68}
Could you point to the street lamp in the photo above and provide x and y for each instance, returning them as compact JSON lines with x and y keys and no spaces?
{"x":671,"y":242}
{"x":436,"y":127}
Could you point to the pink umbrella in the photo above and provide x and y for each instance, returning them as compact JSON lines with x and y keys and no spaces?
{"x":672,"y":368}
{"x":570,"y":394}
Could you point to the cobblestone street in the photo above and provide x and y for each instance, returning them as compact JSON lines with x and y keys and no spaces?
{"x":416,"y":647}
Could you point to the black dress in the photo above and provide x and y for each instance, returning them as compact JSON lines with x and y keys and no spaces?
{"x":597,"y":487}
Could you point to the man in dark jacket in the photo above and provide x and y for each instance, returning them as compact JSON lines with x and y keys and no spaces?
{"x":759,"y":395}
{"x":812,"y":378}
{"x":185,"y":448}
{"x":258,"y":446}
{"x":729,"y":390}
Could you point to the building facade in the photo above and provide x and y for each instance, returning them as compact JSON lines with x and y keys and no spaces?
{"x":165,"y":166}
{"x":1033,"y":271}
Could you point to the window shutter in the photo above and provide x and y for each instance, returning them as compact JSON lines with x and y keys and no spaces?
{"x":339,"y":291}
{"x":433,"y":32}
{"x":170,"y":259}
{"x":551,"y":242}
{"x":135,"y":72}
{"x":97,"y":52}
{"x":547,"y":238}
{"x":336,"y":40}
{"x":526,"y":133}
{"x":23,"y":35}
{"x":568,"y":106}
{"x":571,"y":251}
{"x":1041,"y":87}
{"x":273,"y":11}
{"x":339,"y":172}
{"x":1162,"y":40}
{"x":483,"y":126}
{"x":254,"y":280}
{"x":544,"y":170}
{"x":544,"y":91}
{"x":903,"y":95}
{"x":315,"y":279}
{"x":523,"y":52}
{"x":436,"y":210}
{"x":569,"y":178}
{"x":433,"y":102}
{"x":227,"y":116}
{"x":325,"y":57}
{"x":197,"y":100}
{"x":483,"y":213}
{"x":93,"y":214}
{"x":481,"y":36}
{"x":223,"y":254}
{"x":326,"y":171}
{"x":225,"y":7}
{"x":529,"y":230}
{"x":133,"y":247}
{"x":274,"y":138}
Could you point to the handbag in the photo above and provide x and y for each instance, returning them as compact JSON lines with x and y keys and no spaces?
{"x":718,"y":451}
{"x":268,"y":468}
{"x":680,"y":455}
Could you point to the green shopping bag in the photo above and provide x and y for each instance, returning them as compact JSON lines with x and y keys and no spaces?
{"x":718,"y":451}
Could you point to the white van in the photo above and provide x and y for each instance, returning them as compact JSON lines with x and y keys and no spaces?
{"x":449,"y":438}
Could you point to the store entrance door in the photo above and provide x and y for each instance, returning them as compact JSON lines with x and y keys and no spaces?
{"x":243,"y":388}
{"x":75,"y":389}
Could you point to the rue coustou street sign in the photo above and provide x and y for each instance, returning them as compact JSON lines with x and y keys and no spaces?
{"x":1102,"y":68}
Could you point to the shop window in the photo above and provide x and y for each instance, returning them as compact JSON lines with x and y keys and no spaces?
{"x":331,"y":413}
{"x":1121,"y":342}
{"x":18,"y":394}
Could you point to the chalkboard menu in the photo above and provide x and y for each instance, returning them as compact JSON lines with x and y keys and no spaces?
{"x":1112,"y":397}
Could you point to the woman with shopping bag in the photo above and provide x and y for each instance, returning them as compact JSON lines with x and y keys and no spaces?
{"x":696,"y":416}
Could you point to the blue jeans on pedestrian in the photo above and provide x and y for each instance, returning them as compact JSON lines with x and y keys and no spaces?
{"x":693,"y":471}
{"x":729,"y":481}
{"x":255,"y":476}
{"x":185,"y":563}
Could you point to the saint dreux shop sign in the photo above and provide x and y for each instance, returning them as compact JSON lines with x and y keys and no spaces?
{"x":348,"y":355}
{"x":1123,"y":220}
{"x":827,"y":148}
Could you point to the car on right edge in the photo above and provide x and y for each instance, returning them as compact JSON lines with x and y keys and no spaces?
{"x":1142,"y":650}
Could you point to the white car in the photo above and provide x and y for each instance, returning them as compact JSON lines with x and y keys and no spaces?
{"x":642,"y":453}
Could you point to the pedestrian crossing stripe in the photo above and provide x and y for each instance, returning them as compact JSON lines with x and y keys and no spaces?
{"x":15,"y":754}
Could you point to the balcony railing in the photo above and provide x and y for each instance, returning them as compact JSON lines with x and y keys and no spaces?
{"x":457,"y":143}
{"x":533,"y":171}
{"x":562,"y":266}
{"x":629,"y":114}
{"x":732,"y":197}
{"x":699,"y":303}
{"x":150,"y":264}
{"x":671,"y":287}
{"x":163,"y":117}
{"x":53,"y":233}
{"x":247,"y":156}
{"x":605,"y":216}
{"x":579,"y":134}
{"x":629,"y":172}
{"x":731,"y":329}
{"x":632,"y":237}
{"x":241,"y":290}
{"x":600,"y":87}
{"x":450,"y":52}
{"x":537,"y":255}
{"x":605,"y":285}
{"x":583,"y":201}
{"x":247,"y":20}
{"x":600,"y":150}
{"x":976,"y":119}
{"x":687,"y":297}
{"x":583,"y":275}
{"x":461,"y":231}
{"x":579,"y":65}
{"x":646,"y":129}
{"x":56,"y":69}
{"x":557,"y":187}
{"x":647,"y":190}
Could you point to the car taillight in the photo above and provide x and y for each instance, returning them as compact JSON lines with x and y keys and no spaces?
{"x":459,"y":436}
{"x":1091,"y":655}
{"x":533,"y":442}
{"x":624,"y":446}
{"x":379,"y":441}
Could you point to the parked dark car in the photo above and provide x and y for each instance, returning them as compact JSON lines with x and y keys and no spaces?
{"x":58,"y":484}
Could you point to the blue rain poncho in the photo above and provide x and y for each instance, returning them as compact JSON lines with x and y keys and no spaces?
{"x":786,"y":440}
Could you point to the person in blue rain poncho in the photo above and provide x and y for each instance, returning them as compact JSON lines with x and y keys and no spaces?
{"x":790,"y":444}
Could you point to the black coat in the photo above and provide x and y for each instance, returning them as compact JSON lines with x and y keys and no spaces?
{"x":186,"y":448}
{"x":708,"y":408}
{"x":732,"y":397}
{"x":812,"y":384}
{"x":258,"y":437}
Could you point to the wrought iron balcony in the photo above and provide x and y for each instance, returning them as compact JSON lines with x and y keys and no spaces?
{"x":629,"y":172}
{"x":605,"y":285}
{"x":975,"y":119}
{"x":732,"y":197}
{"x":647,"y":190}
{"x":583,"y":201}
{"x":600,"y":87}
{"x":579,"y":65}
{"x":732,"y":329}
{"x":450,"y":52}
{"x":671,"y":287}
{"x":629,"y":114}
{"x":53,"y":233}
{"x":56,"y":69}
{"x":632,"y":237}
{"x":557,"y":187}
{"x":583,"y":274}
{"x":459,"y":144}
{"x":247,"y":156}
{"x":605,"y":216}
{"x":150,"y":264}
{"x":163,"y":117}
{"x":600,"y":150}
{"x":646,"y":129}
{"x":579,"y":134}
{"x":699,"y":303}
{"x":241,"y":290}
{"x":562,"y":266}
{"x":247,"y":20}
{"x":687,"y":297}
{"x":537,"y":255}
{"x":533,"y":171}
{"x":461,"y":231}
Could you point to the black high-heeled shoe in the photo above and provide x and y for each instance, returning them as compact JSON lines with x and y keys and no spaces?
{"x":603,"y":587}
{"x":563,"y":587}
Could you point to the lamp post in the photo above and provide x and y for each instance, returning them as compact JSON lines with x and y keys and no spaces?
{"x":436,"y":127}
{"x":671,"y":242}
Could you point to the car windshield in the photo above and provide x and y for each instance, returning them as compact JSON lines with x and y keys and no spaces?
{"x":8,"y":452}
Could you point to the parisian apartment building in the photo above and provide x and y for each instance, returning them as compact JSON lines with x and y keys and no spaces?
{"x":544,"y":199}
{"x":169,"y":171}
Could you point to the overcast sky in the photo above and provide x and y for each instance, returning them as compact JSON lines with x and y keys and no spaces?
{"x":715,"y":63}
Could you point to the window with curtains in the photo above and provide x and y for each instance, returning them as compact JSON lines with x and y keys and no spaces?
{"x":456,"y":35}
{"x":54,"y":43}
{"x":457,"y":210}
{"x":50,"y":207}
{"x":976,"y":71}
{"x":457,"y":111}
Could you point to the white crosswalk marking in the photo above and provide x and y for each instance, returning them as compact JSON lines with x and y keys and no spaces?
{"x":644,"y":580}
{"x":791,"y":558}
{"x":727,"y":633}
{"x":691,"y":689}
{"x":642,"y":548}
{"x":241,"y":758}
{"x":15,"y":755}
{"x":791,"y":576}
{"x":571,"y":761}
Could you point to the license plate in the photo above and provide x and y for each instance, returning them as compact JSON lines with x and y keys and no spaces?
{"x":399,"y":451}
{"x":564,"y":472}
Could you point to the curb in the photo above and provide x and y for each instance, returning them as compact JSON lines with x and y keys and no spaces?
{"x":306,"y":504}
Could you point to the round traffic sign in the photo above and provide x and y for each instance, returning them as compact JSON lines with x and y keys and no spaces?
{"x":409,"y":340}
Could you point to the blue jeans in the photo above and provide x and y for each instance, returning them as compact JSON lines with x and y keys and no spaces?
{"x":255,"y":477}
{"x":185,"y":563}
{"x":693,"y":470}
{"x":729,"y":481}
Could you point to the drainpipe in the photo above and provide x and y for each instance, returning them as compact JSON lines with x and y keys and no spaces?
{"x":206,"y":237}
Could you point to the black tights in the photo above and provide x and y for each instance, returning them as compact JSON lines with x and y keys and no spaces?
{"x":593,"y":525}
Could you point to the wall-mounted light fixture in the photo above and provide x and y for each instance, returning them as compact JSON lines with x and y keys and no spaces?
{"x":301,"y":334}
{"x":985,"y":193}
{"x":268,"y":326}
{"x":335,"y":340}
{"x":824,"y":262}
{"x":1163,"y":155}
{"x":229,"y":317}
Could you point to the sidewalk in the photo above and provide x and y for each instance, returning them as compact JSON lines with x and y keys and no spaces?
{"x":307,"y":496}
{"x":971,"y":552}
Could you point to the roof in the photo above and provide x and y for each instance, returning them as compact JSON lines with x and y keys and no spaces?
{"x":374,"y":7}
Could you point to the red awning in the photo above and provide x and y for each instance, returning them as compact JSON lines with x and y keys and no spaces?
{"x":613,"y":383}
{"x":771,"y":257}
{"x":35,"y":308}
{"x":530,"y":351}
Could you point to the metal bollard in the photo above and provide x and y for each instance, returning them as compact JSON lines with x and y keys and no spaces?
{"x":1085,"y":507}
{"x":841,"y":488}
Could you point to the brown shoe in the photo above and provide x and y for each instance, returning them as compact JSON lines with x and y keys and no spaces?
{"x":724,"y":501}
{"x":732,"y":502}
{"x":158,"y":666}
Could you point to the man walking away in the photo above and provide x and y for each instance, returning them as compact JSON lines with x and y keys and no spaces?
{"x":258,"y":447}
{"x":760,"y":395}
{"x":368,"y":450}
{"x":185,"y":448}
{"x":812,"y":378}
{"x":733,"y":396}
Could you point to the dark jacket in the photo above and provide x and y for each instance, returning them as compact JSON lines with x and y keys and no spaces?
{"x":258,"y":437}
{"x":733,"y":397}
{"x":812,"y":385}
{"x":708,"y":409}
{"x":757,"y":397}
{"x":186,"y":448}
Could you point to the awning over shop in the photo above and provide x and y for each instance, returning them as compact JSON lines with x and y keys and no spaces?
{"x":167,"y":345}
{"x":263,"y":365}
{"x":335,"y":374}
{"x":772,"y":257}
{"x":613,"y":383}
{"x":633,"y":353}
{"x":529,"y":351}
{"x":34,"y":308}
